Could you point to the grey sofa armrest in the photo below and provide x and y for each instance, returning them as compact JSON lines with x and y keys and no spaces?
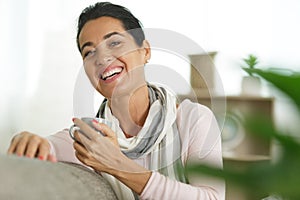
{"x":23,"y":178}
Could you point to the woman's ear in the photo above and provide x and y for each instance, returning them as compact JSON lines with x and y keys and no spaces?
{"x":147,"y":49}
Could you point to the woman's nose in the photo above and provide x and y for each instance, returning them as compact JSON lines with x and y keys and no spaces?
{"x":103,"y":58}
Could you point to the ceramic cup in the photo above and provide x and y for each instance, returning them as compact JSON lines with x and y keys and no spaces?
{"x":89,"y":121}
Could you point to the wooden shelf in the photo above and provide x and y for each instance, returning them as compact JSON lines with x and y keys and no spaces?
{"x":224,"y":108}
{"x":244,"y":157}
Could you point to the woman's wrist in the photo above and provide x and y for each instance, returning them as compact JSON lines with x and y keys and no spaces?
{"x":134,"y":180}
{"x":132,"y":174}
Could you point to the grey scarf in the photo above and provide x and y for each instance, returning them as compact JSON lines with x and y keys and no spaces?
{"x":159,"y":138}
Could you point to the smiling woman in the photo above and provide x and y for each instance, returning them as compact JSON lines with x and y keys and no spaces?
{"x":104,"y":42}
{"x":152,"y":136}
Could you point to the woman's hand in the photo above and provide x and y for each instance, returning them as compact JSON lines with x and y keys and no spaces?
{"x":95,"y":150}
{"x":31,"y":146}
{"x":106,"y":130}
{"x":103,"y":154}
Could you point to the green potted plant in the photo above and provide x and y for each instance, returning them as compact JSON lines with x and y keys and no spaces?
{"x":251,"y":84}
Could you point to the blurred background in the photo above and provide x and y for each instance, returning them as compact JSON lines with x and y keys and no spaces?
{"x":39,"y":60}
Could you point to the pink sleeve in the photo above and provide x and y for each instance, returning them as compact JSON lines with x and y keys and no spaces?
{"x":161,"y":187}
{"x":202,"y":144}
{"x":62,"y":147}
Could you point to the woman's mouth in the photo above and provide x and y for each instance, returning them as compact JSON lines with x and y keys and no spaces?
{"x":111,"y":73}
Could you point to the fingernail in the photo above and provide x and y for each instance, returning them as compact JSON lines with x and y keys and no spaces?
{"x":95,"y":121}
{"x":73,"y":119}
{"x":52,"y":158}
{"x":41,"y":157}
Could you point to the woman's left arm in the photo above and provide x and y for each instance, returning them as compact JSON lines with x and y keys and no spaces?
{"x":202,"y":188}
{"x":201,"y":143}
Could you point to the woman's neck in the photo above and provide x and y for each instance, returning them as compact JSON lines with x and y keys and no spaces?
{"x":131,"y":110}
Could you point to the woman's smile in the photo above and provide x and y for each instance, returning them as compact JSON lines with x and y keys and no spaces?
{"x":111,"y":73}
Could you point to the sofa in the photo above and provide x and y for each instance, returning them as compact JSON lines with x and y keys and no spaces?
{"x":29,"y":179}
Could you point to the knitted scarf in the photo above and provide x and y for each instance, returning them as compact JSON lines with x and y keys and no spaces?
{"x":158,"y":139}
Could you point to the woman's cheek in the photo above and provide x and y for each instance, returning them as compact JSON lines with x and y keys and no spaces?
{"x":91,"y":75}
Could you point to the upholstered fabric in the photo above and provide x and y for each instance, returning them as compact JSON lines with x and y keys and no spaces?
{"x":23,"y":178}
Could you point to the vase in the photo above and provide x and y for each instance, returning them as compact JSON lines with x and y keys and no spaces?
{"x":251,"y":86}
{"x":203,"y":73}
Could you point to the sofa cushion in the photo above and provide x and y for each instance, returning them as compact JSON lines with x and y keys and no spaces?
{"x":23,"y":178}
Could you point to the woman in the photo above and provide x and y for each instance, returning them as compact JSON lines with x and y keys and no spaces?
{"x":152,"y":138}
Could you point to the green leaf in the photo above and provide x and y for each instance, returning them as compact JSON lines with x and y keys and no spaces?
{"x":288,"y":84}
{"x":263,"y":127}
{"x":251,"y":61}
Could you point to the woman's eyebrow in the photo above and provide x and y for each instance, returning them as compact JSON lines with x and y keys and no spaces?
{"x":111,"y":34}
{"x":104,"y":38}
{"x":85,"y":45}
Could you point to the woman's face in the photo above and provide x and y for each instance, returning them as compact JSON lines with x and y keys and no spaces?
{"x":110,"y":55}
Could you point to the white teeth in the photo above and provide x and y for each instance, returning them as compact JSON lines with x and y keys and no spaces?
{"x":111,"y":72}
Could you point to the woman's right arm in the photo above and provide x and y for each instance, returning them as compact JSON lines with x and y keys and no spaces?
{"x":56,"y":147}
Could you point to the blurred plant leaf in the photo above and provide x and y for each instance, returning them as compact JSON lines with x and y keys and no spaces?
{"x":282,"y":177}
{"x":287,"y":83}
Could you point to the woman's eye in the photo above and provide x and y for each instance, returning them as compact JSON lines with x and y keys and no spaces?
{"x":89,"y":53}
{"x":114,"y":43}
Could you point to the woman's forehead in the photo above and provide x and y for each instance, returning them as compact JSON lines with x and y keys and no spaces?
{"x":95,"y":30}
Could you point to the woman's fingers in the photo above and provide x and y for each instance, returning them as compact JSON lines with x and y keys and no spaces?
{"x":79,"y":148}
{"x":30,"y":145}
{"x":82,"y":154}
{"x":44,"y":150}
{"x":91,"y":134}
{"x":13,"y":145}
{"x":78,"y":136}
{"x":106,"y":131}
{"x":80,"y":142}
{"x":51,"y":158}
{"x":86,"y":157}
{"x":79,"y":157}
{"x":86,"y":129}
{"x":87,"y":144}
{"x":21,"y":145}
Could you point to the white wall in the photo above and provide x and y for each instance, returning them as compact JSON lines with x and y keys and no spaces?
{"x":39,"y":60}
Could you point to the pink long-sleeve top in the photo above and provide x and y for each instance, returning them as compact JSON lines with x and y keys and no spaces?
{"x":201,"y":143}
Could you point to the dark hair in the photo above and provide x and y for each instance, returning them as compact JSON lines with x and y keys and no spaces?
{"x":108,"y":9}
